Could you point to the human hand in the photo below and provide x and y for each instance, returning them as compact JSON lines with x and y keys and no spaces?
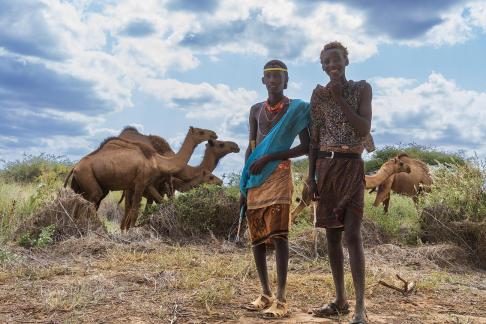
{"x":259,"y":164}
{"x":312,"y":186}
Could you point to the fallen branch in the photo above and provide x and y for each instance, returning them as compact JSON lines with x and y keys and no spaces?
{"x":408,"y":286}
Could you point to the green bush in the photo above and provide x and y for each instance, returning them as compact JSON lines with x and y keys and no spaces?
{"x":427,"y":154}
{"x":44,"y":238}
{"x":455,"y":208}
{"x":204,"y":210}
{"x":31,"y":167}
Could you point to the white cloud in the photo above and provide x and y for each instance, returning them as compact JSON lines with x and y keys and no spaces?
{"x":435,"y":112}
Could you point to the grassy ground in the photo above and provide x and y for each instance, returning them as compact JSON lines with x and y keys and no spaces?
{"x":135,"y":278}
{"x":143,"y":278}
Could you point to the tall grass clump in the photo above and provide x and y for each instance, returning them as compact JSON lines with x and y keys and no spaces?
{"x":204,"y":210}
{"x":400,"y":225}
{"x":455,"y":208}
{"x":26,"y":186}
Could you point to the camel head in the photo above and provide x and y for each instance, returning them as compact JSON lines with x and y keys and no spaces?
{"x":200,"y":135}
{"x":210,"y":178}
{"x":397,"y":165}
{"x":222,"y":147}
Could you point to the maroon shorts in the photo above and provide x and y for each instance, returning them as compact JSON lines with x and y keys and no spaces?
{"x":341,"y":185}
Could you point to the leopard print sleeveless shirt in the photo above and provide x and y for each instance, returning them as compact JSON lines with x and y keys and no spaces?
{"x":329,"y":125}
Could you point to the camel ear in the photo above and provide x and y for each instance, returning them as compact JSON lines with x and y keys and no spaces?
{"x":191,"y":129}
{"x":211,"y":142}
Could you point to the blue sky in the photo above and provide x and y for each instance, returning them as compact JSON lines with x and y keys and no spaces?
{"x":75,"y":72}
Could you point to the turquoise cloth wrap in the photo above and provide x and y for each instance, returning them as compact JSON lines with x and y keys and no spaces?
{"x":279,"y":139}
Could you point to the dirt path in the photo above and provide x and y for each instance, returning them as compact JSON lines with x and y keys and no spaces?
{"x":147,"y":281}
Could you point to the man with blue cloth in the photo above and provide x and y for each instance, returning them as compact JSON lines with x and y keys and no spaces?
{"x":266,"y":181}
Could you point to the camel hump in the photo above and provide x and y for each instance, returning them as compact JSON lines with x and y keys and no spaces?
{"x":147,"y":150}
{"x":130,"y":129}
{"x":160,"y":144}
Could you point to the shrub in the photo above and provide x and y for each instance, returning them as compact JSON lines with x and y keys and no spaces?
{"x":455,"y":208}
{"x":426,"y":154}
{"x":31,"y":167}
{"x":66,"y":216}
{"x":201,"y":211}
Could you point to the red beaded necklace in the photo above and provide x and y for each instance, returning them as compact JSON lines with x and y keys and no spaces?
{"x":278,"y":106}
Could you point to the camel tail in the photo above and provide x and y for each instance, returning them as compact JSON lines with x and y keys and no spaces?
{"x":67,"y":177}
{"x":122,"y":196}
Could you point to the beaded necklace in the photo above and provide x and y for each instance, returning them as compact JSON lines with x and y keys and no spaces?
{"x":275,"y":108}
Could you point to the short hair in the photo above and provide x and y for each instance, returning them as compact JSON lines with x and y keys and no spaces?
{"x":280,"y":64}
{"x":335,"y":45}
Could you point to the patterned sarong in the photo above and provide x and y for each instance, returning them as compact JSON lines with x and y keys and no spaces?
{"x":269,"y":206}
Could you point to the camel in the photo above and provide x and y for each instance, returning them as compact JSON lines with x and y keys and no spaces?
{"x":124,"y":165}
{"x":204,"y":177}
{"x":215,"y":150}
{"x":407,"y":184}
{"x":389,"y":168}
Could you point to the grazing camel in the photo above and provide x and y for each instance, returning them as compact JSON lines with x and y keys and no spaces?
{"x":123,"y":165}
{"x":392,"y":166}
{"x":130,"y":133}
{"x":204,"y":177}
{"x":407,"y":184}
{"x":215,"y":150}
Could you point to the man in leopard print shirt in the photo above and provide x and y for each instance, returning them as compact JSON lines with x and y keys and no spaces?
{"x":340,"y":127}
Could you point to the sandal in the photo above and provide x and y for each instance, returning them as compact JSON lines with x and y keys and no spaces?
{"x":331,"y":309}
{"x":359,"y":321}
{"x":277,"y":310}
{"x":263,"y":301}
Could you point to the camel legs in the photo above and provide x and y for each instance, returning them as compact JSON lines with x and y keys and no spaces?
{"x":386,"y":203}
{"x":152,"y":194}
{"x":128,"y":206}
{"x":135,"y":205}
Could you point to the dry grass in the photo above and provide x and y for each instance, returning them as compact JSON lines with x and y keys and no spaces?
{"x":68,"y":215}
{"x":135,"y":278}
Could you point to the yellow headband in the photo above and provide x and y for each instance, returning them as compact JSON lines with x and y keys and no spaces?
{"x":274,"y":69}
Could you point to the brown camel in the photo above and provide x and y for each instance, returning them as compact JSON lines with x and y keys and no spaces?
{"x":407,"y":184}
{"x":215,"y":150}
{"x":124,"y":165}
{"x":391,"y":167}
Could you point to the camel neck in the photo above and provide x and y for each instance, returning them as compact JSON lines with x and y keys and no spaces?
{"x":209,"y":161}
{"x":378,"y":178}
{"x":177,"y":162}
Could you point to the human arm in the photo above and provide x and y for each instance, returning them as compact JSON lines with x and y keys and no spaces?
{"x":297,"y":151}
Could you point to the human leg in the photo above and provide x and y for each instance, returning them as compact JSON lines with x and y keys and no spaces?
{"x":354,"y":243}
{"x":282,"y":261}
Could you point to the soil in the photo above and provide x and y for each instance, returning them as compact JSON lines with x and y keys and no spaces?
{"x":140,"y":279}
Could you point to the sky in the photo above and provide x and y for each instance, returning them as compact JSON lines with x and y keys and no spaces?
{"x":75,"y":72}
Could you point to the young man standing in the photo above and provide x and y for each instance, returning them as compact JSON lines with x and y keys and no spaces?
{"x":266,"y":182}
{"x":340,"y":130}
